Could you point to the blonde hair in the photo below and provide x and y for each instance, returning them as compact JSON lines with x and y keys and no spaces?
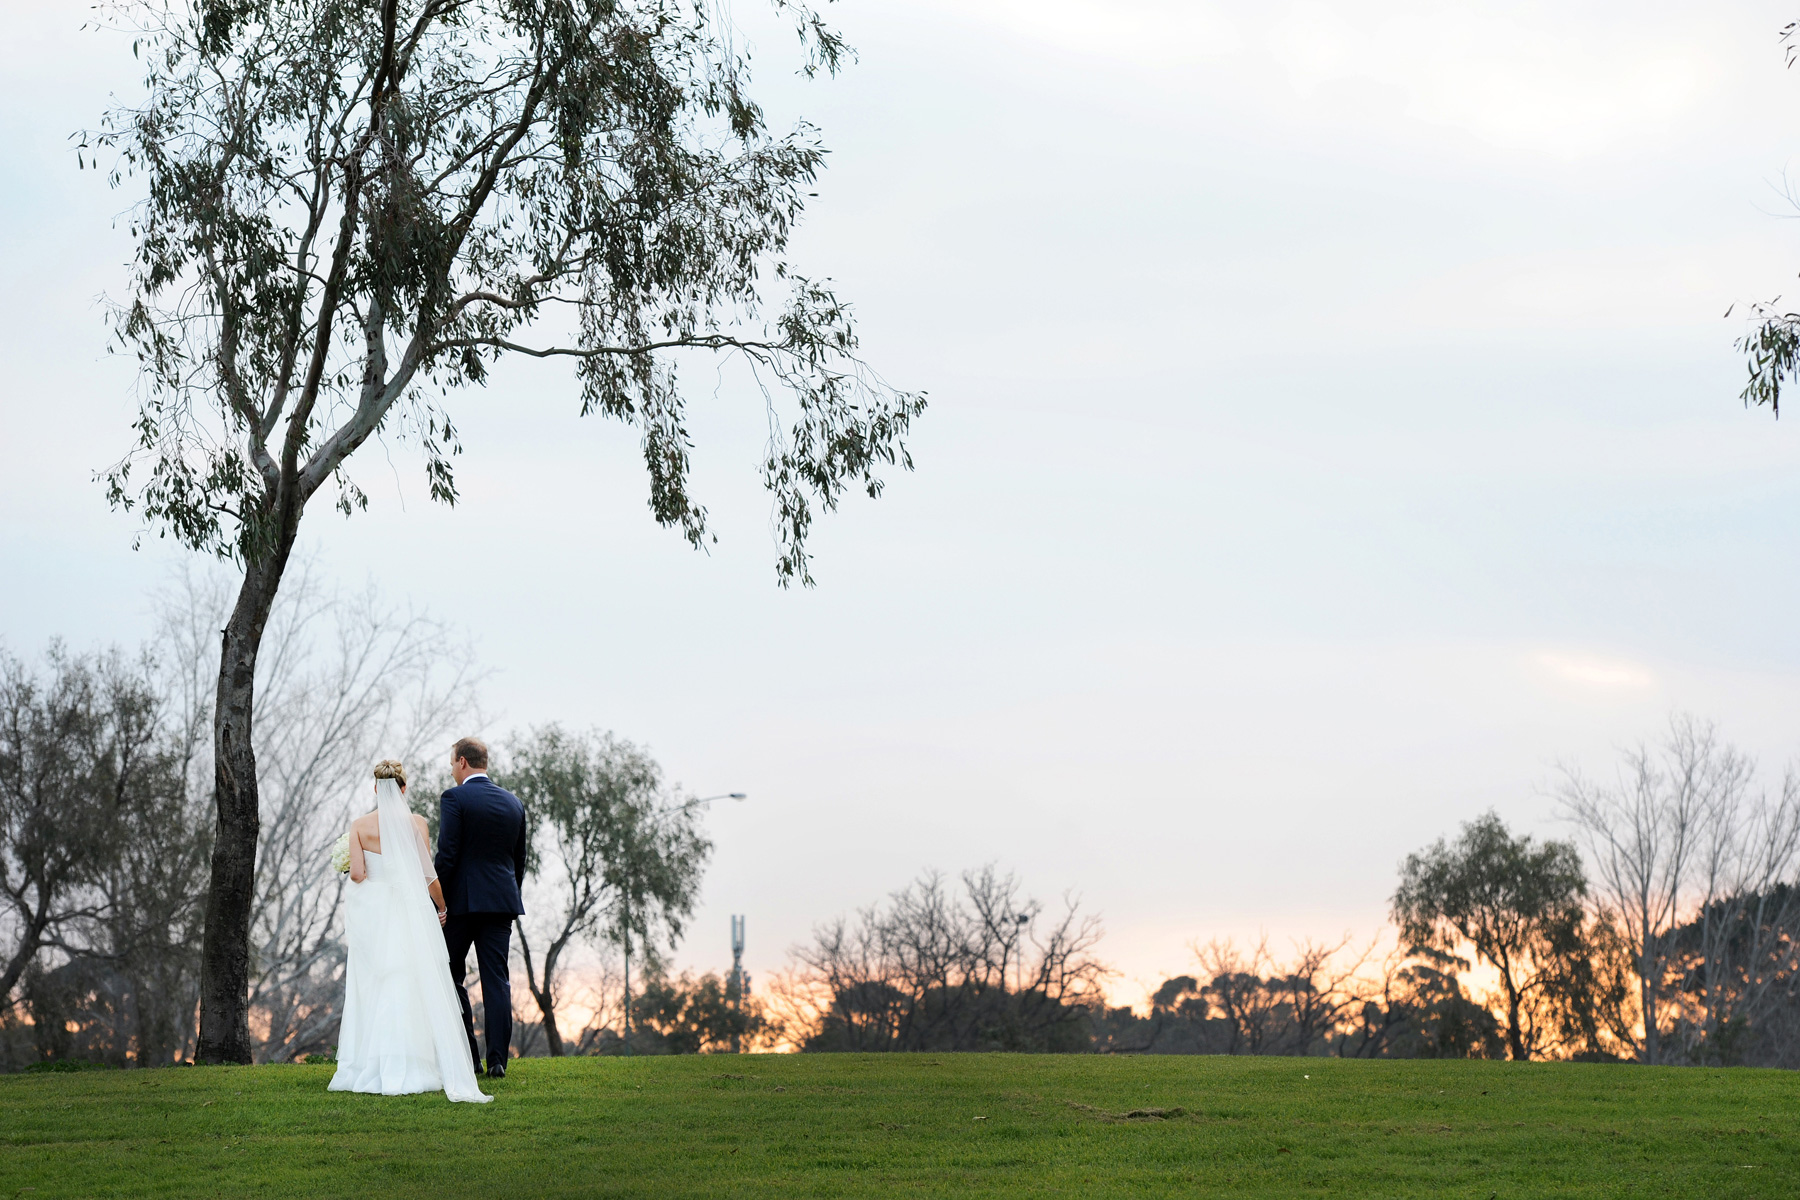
{"x":390,"y":768}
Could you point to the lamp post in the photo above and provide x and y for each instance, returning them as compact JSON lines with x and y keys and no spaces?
{"x":625,"y":908}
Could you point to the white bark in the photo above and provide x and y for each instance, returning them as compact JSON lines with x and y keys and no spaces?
{"x":1680,"y":836}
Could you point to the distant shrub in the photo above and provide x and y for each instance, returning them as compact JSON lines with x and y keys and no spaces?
{"x":62,"y":1065}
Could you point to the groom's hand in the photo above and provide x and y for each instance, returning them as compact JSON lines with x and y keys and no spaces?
{"x":443,"y":916}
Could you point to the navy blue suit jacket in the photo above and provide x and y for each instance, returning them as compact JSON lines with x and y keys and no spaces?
{"x":481,"y":848}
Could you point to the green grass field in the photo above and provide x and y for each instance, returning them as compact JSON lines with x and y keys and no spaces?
{"x":947,"y":1125}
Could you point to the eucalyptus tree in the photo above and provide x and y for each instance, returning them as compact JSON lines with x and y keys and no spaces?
{"x":611,"y":858}
{"x":350,"y":210}
{"x":1771,"y":348}
{"x":1520,"y":903}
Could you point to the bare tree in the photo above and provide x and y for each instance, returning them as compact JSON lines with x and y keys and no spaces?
{"x":1678,"y":836}
{"x":930,"y":971}
{"x":348,"y":677}
{"x":1237,"y":995}
{"x":1736,"y":957}
{"x":1321,"y":986}
{"x":597,"y":990}
{"x":1268,"y":1007}
{"x":78,"y":749}
{"x":1380,"y":1018}
{"x":149,"y":935}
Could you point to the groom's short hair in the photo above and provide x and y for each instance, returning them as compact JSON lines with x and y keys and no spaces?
{"x":472,"y":751}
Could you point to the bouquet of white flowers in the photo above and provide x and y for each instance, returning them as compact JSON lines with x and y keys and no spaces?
{"x":340,"y":855}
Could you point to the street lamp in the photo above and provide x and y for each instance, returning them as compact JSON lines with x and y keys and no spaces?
{"x":710,"y":799}
{"x":626,"y":900}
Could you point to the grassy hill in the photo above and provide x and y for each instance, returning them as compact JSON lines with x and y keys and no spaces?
{"x":974,"y":1125}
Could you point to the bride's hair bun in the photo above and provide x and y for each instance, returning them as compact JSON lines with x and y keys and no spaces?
{"x":389,"y":768}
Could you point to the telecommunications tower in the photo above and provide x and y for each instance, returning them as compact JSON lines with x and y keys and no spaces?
{"x":738,"y":983}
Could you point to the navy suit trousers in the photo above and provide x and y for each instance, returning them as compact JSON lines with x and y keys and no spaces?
{"x":491,"y":935}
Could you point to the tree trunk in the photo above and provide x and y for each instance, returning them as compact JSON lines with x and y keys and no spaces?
{"x":230,"y":896}
{"x":626,"y":927}
{"x":546,"y":999}
{"x":30,"y":941}
{"x":1651,"y":1047}
{"x":1515,"y":1040}
{"x":552,"y":1036}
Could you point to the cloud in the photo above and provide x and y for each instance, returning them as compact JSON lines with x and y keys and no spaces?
{"x":1595,"y":671}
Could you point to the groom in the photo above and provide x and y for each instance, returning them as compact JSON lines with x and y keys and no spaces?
{"x":481,"y":861}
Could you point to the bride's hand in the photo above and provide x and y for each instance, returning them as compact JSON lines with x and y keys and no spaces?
{"x":437,"y":900}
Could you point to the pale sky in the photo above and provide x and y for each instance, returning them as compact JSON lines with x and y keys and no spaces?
{"x":1333,"y":426}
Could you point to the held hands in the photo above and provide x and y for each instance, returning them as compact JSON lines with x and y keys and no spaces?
{"x":437,"y":902}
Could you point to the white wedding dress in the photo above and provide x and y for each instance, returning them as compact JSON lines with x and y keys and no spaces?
{"x":402,"y":1028}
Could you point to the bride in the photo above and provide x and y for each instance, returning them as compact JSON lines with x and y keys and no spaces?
{"x":402,"y":1029}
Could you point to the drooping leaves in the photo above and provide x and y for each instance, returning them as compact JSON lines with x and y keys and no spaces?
{"x":350,"y":210}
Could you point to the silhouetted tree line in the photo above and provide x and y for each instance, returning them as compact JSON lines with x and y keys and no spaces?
{"x":1669,"y":933}
{"x":943,"y":968}
{"x":670,"y":1014}
{"x":686,"y":1015}
{"x":1674,"y":939}
{"x":1413,"y":1006}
